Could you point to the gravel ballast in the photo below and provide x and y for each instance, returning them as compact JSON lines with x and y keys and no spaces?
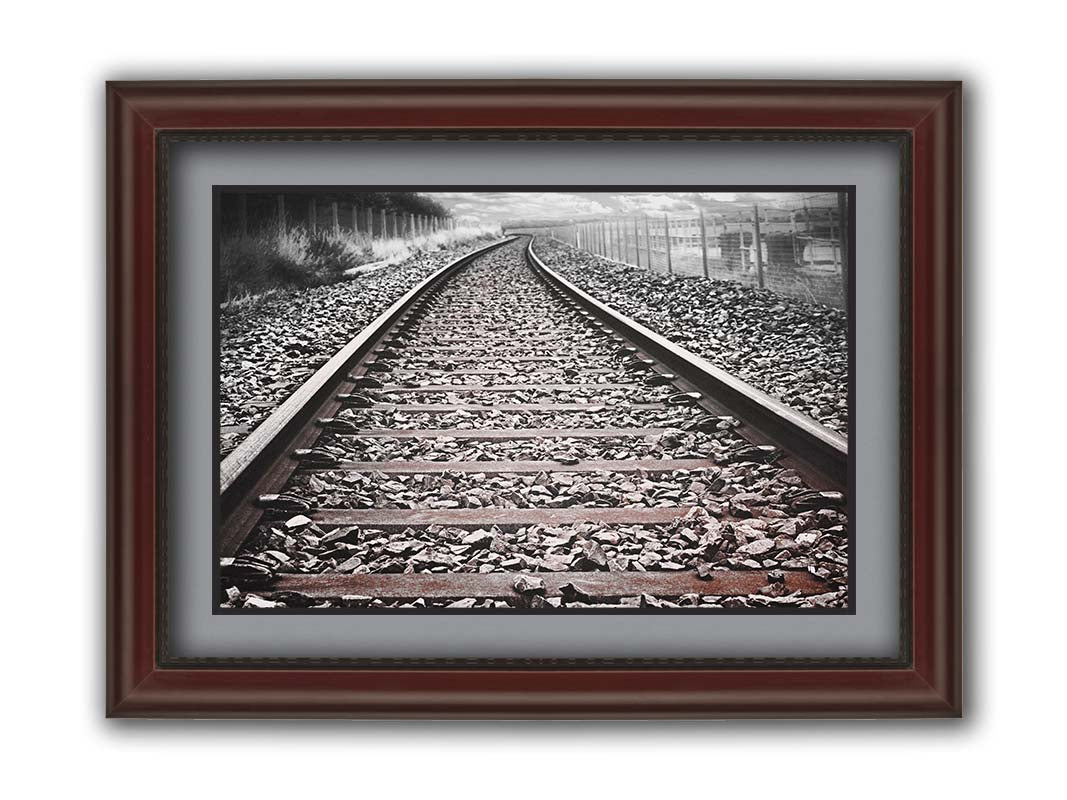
{"x":797,"y":352}
{"x":738,"y":508}
{"x":268,"y":348}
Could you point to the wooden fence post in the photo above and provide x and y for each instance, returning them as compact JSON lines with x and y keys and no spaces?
{"x":667,"y":242}
{"x":385,"y":230}
{"x":793,"y":220}
{"x":637,"y":245}
{"x":833,"y":237}
{"x":704,"y":244}
{"x":843,"y":220}
{"x":807,"y":230}
{"x":313,"y":222}
{"x":648,"y":244}
{"x":759,"y":247}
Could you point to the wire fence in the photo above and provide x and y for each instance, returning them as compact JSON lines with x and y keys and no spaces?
{"x":797,"y":247}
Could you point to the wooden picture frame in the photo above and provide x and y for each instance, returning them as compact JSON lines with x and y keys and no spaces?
{"x":926,"y":119}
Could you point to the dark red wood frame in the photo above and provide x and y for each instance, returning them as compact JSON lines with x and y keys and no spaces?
{"x":929,"y":114}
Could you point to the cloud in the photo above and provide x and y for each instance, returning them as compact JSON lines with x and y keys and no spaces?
{"x":502,"y":206}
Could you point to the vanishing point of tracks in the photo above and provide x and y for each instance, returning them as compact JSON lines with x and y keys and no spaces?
{"x":499,"y":438}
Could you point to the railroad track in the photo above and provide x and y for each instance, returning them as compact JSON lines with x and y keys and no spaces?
{"x":499,"y":438}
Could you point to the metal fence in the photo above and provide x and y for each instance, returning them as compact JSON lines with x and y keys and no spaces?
{"x":799,"y":247}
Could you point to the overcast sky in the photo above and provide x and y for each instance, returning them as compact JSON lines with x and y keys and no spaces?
{"x":494,"y":207}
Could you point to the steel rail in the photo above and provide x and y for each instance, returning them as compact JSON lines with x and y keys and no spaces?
{"x":261,"y":460}
{"x":264,"y":462}
{"x":824,"y":450}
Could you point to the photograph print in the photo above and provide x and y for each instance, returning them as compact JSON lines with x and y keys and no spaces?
{"x":532,"y":400}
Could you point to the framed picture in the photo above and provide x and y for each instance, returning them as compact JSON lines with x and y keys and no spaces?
{"x":534,"y":399}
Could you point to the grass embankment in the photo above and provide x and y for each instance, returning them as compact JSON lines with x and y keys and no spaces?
{"x":261,"y":264}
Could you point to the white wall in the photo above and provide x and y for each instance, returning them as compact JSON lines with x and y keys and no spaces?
{"x":55,"y":61}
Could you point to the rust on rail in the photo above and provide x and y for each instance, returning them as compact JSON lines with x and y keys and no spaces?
{"x":400,"y":518}
{"x":503,"y":434}
{"x":482,"y":408}
{"x":501,"y":585}
{"x":508,"y":387}
{"x":516,"y":467}
{"x":502,"y":372}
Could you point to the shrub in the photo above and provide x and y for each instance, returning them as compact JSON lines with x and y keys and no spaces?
{"x":293,"y":259}
{"x":297,"y":258}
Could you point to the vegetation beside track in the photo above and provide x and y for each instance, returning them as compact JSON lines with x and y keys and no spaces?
{"x":258,"y":264}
